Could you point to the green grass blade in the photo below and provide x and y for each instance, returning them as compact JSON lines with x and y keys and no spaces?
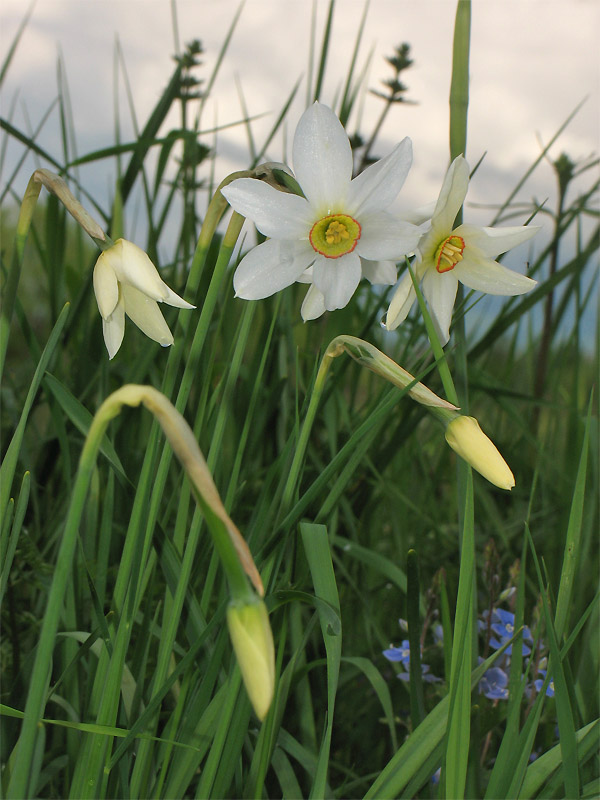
{"x":459,"y":87}
{"x":380,"y":688}
{"x":9,"y":464}
{"x":82,"y":419}
{"x":318,"y":555}
{"x":419,"y":747}
{"x":564,"y":712}
{"x":15,"y":42}
{"x":9,"y":547}
{"x":573,"y":538}
{"x":413,"y":602}
{"x":324,"y":51}
{"x":459,"y":715}
{"x":588,"y":740}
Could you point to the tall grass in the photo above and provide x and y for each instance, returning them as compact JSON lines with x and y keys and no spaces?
{"x":353,"y":507}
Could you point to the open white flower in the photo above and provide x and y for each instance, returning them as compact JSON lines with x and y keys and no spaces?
{"x":466,"y":254}
{"x":330,"y":237}
{"x":127,"y":282}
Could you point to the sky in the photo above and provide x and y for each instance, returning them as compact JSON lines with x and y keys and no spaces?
{"x":532,"y":62}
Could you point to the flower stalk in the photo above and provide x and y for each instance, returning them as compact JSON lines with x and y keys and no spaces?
{"x":235,"y":555}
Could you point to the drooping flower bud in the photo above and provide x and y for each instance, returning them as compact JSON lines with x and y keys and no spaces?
{"x":252,"y":641}
{"x":466,"y":438}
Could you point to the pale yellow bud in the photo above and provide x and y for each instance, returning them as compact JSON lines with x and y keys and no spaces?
{"x":252,"y":641}
{"x":464,"y":435}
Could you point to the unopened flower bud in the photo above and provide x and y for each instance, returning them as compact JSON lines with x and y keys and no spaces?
{"x":465,"y":437}
{"x":252,"y":641}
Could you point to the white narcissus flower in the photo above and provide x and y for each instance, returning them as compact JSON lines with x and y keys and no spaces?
{"x":466,"y":254}
{"x":127,"y":282}
{"x":335,"y":234}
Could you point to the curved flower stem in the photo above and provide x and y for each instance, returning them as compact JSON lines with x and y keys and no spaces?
{"x":232,"y":548}
{"x":57,"y":186}
{"x":373,"y":359}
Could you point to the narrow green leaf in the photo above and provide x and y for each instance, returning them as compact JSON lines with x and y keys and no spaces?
{"x":82,"y":419}
{"x":8,"y":550}
{"x":324,"y":51}
{"x":588,"y":740}
{"x":459,"y":717}
{"x":9,"y":464}
{"x":459,"y":87}
{"x":573,"y":538}
{"x":564,"y":711}
{"x":413,"y":592}
{"x":318,"y":555}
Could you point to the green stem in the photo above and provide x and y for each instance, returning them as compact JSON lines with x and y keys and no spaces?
{"x":292,"y":479}
{"x":18,"y":786}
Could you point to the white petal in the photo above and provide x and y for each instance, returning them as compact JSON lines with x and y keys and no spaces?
{"x":173,"y":299}
{"x":488,"y":276}
{"x":494,"y":241}
{"x":385,"y":237}
{"x":113,"y":329}
{"x":145,"y":313}
{"x":378,"y":186}
{"x":337,"y":279}
{"x":440,"y":293}
{"x":271,"y":267}
{"x":421,"y":214}
{"x":306,"y":276}
{"x":106,"y":286}
{"x":132,"y":266}
{"x":322,"y":159}
{"x":279,"y":215}
{"x":403,"y":298}
{"x":452,"y":196}
{"x":313,"y":305}
{"x":382,"y":272}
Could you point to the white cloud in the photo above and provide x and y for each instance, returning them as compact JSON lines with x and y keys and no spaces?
{"x":531,"y":62}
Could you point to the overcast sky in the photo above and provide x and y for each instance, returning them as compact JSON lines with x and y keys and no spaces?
{"x":532,"y":61}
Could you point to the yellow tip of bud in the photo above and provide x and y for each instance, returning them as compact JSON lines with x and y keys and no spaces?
{"x":252,"y":641}
{"x":465,"y":437}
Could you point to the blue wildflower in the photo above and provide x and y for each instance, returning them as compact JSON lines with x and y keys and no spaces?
{"x":540,"y":682}
{"x":401,"y":653}
{"x":503,"y":625}
{"x":493,"y":684}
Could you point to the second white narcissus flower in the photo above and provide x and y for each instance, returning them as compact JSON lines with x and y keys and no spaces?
{"x":466,"y":254}
{"x":339,"y":231}
{"x":127,"y":282}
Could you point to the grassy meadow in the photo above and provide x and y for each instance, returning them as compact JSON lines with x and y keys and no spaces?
{"x":119,"y":679}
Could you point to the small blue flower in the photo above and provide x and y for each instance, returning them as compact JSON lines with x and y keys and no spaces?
{"x":496,"y":645}
{"x":503,"y":625}
{"x":493,"y":684}
{"x":401,"y":653}
{"x":540,"y":682}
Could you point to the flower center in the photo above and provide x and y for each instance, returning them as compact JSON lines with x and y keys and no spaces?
{"x":449,"y":253}
{"x":335,"y":235}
